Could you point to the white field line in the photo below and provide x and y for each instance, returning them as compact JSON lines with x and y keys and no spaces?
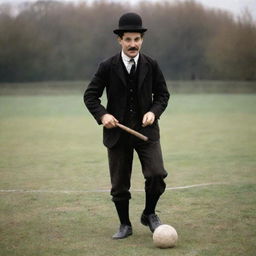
{"x":101,"y":190}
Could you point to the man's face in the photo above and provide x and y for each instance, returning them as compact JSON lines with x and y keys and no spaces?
{"x":131,"y":43}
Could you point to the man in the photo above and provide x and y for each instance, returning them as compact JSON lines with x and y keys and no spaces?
{"x":137,"y":95}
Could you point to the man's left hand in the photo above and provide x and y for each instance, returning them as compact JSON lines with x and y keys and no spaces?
{"x":148,"y":119}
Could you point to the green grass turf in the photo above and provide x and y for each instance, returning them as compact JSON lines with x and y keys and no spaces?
{"x":51,"y":143}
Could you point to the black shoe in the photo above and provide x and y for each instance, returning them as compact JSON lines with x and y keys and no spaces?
{"x":150,"y":220}
{"x":123,"y":232}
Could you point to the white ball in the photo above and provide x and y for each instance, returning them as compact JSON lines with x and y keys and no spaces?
{"x":165,"y":236}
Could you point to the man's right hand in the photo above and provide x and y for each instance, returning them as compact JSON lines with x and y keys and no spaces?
{"x":109,"y":121}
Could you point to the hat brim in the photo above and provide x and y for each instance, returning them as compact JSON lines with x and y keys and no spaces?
{"x":140,"y":30}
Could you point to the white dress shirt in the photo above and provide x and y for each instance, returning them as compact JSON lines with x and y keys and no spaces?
{"x":127,"y":62}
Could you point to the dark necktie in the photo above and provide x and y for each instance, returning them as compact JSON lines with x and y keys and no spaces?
{"x":132,"y":71}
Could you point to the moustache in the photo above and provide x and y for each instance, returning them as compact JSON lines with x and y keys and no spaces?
{"x":133,"y":49}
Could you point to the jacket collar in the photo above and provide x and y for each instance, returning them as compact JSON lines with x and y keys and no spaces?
{"x":142,"y":65}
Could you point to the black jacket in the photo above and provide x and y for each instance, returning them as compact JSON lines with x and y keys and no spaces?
{"x":152,"y":94}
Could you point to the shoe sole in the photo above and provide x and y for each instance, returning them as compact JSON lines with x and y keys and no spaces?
{"x":118,"y":238}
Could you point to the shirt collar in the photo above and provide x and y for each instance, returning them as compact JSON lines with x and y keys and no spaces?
{"x":126,"y":59}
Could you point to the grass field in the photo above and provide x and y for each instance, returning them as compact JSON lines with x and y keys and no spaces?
{"x":52,"y":162}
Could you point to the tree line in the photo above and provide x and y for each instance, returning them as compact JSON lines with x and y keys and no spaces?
{"x":52,"y":40}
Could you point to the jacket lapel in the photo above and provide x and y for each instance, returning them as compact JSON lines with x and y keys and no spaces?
{"x":118,"y":67}
{"x":143,"y":70}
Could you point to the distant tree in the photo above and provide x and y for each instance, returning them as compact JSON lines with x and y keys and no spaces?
{"x":52,"y":40}
{"x":232,"y":51}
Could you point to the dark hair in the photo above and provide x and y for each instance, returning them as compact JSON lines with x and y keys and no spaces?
{"x":121,"y":33}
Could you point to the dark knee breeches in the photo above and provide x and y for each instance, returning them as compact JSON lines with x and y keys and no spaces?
{"x":120,"y":165}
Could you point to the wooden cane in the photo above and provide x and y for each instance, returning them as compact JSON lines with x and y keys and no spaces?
{"x":133,"y":132}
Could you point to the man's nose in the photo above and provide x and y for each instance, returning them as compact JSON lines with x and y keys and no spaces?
{"x":133,"y":43}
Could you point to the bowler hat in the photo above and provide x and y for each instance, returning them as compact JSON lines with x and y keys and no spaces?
{"x":130,"y":22}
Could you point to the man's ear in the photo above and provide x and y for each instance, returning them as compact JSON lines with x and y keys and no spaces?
{"x":119,"y":39}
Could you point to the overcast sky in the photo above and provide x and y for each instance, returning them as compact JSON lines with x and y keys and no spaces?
{"x":234,"y":6}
